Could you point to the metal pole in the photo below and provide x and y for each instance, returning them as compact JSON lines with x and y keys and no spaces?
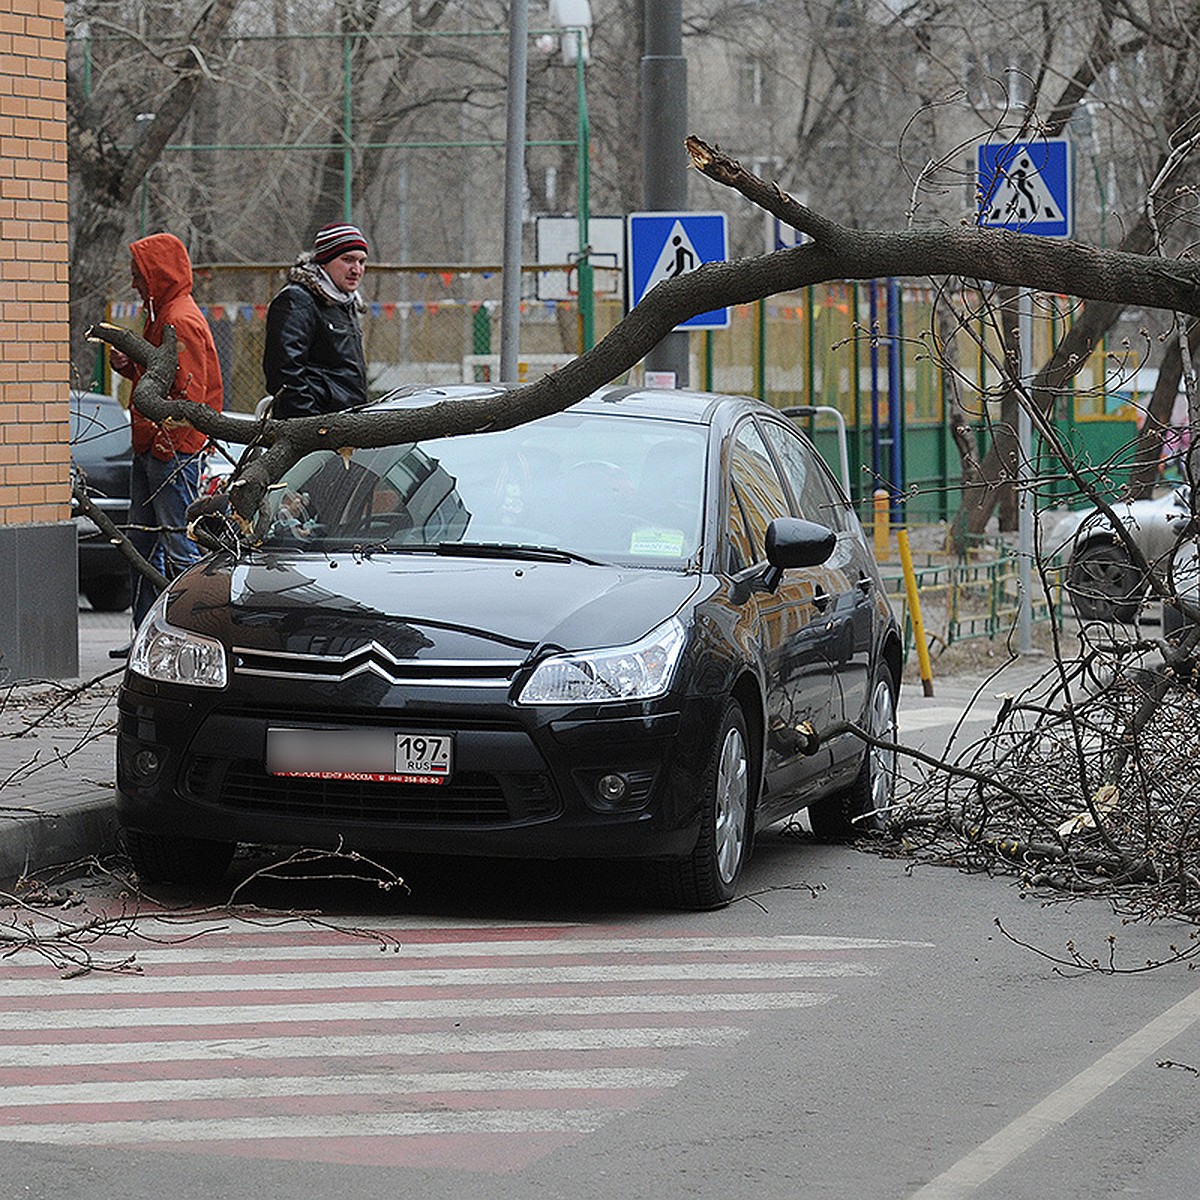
{"x":1025,"y":475}
{"x":514,"y":187}
{"x":347,"y":129}
{"x":587,"y":288}
{"x":664,"y":162}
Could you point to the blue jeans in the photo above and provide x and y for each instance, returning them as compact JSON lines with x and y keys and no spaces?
{"x":159,"y":493}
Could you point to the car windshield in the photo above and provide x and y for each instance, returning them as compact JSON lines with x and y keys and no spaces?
{"x":609,"y":488}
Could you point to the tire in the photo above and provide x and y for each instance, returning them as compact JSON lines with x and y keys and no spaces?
{"x":863,"y":807}
{"x":159,"y":858}
{"x":109,"y":593}
{"x":1104,"y":585}
{"x":709,"y":876}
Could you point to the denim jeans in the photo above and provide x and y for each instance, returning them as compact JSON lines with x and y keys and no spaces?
{"x":159,"y":493}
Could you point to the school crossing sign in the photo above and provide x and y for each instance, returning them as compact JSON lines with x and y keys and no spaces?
{"x":665,"y":245}
{"x":1026,"y":187}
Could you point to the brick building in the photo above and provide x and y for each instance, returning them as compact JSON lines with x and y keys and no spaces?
{"x":38,"y":571}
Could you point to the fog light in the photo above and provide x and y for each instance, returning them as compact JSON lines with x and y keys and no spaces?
{"x":146,"y":765}
{"x":611,"y":788}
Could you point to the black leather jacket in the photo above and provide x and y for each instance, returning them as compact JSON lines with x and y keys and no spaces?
{"x":313,"y":357}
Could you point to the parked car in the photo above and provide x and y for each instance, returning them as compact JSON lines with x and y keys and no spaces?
{"x":1101,"y":578}
{"x":220,"y":462}
{"x":633,"y":629}
{"x":101,"y":451}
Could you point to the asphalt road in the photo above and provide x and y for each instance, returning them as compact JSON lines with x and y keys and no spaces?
{"x":851,"y":1027}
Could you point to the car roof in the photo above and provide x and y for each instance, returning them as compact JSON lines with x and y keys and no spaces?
{"x":675,"y":404}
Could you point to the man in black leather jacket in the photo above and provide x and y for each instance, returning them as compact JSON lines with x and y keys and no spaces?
{"x":313,"y":358}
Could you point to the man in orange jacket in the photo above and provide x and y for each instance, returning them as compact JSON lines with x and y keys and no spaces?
{"x":166,"y":455}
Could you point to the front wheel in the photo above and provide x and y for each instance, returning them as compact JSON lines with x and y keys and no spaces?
{"x":863,"y":807}
{"x":161,"y":858}
{"x":1103,"y":584}
{"x":109,"y":593}
{"x":708,"y":877}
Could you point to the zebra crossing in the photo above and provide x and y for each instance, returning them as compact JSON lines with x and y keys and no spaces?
{"x":479,"y":1046}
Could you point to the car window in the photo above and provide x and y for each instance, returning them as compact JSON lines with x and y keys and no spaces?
{"x":610,"y":487}
{"x":817,"y":498}
{"x":99,"y":427}
{"x":757,"y":489}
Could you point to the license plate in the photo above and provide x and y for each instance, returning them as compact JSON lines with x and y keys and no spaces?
{"x":361,"y":755}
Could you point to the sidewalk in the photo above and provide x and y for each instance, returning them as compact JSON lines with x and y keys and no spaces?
{"x":57,"y":781}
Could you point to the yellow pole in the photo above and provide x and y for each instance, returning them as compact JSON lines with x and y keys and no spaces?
{"x":882,"y":526}
{"x":914,"y":607}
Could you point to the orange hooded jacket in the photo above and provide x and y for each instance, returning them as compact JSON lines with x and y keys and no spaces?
{"x":163,"y":262}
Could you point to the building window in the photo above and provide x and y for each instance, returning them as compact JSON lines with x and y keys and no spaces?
{"x":756,"y":85}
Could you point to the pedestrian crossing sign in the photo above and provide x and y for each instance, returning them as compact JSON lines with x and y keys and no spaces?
{"x":1025,"y":186}
{"x":664,"y":245}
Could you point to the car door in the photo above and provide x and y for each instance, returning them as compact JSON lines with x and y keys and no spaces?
{"x":846,"y":583}
{"x":786,"y":621}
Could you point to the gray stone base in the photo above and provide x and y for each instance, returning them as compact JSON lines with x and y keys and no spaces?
{"x":39,"y":602}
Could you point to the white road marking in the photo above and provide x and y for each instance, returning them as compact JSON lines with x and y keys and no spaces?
{"x":252,"y":1037}
{"x":1061,"y":1105}
{"x":450,"y":977}
{"x":456,"y":1041}
{"x":386,"y":1084}
{"x":325,"y":1125}
{"x":201,"y":951}
{"x":391,"y":1010}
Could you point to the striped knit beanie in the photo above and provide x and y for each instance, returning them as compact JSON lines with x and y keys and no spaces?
{"x":336,"y":239}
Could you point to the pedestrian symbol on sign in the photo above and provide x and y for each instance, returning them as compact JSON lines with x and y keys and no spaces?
{"x":1021,"y":195}
{"x":678,"y":257}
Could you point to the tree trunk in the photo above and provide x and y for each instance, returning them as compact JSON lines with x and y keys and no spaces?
{"x":1148,"y":447}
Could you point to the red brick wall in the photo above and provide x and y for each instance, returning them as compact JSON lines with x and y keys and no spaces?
{"x":35,"y":360}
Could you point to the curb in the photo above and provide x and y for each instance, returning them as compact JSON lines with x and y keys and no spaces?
{"x":36,"y":841}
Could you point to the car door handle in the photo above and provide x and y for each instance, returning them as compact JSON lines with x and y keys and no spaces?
{"x":821,"y":598}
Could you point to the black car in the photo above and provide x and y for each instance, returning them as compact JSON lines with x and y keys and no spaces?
{"x":101,"y":451}
{"x":634,"y":629}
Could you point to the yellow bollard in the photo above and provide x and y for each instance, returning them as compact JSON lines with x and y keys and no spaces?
{"x":914,"y":608}
{"x":882,"y":527}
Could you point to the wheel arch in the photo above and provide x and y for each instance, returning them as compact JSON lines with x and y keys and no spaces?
{"x":748,"y":694}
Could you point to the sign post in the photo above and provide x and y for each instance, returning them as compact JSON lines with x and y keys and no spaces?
{"x":1026,"y":187}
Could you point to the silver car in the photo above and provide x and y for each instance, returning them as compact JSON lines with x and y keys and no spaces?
{"x":1101,"y":578}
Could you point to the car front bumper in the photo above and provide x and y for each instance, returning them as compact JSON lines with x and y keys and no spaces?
{"x":526,"y":781}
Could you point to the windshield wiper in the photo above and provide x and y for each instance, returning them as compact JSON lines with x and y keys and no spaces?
{"x":513,"y":550}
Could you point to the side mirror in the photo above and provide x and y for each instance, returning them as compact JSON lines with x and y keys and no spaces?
{"x":792,"y":542}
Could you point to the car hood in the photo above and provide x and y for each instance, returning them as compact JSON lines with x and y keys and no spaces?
{"x":423,"y":605}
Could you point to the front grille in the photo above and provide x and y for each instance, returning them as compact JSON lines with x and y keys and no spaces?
{"x":374,"y":659}
{"x":359,"y":718}
{"x":470,"y":798}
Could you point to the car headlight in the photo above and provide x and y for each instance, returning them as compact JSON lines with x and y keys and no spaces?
{"x":169,"y":655}
{"x":637,"y":672}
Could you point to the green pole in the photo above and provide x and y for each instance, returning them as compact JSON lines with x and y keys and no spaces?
{"x":347,"y":106}
{"x":587,"y":290}
{"x":760,"y":356}
{"x":810,"y":367}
